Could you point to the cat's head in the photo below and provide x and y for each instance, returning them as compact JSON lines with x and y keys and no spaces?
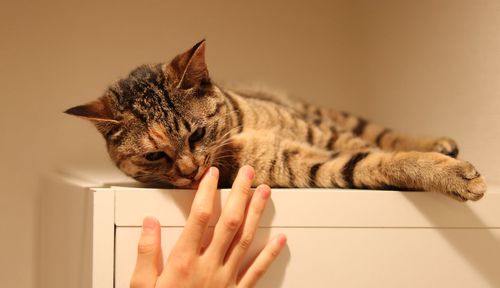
{"x":163,"y":123}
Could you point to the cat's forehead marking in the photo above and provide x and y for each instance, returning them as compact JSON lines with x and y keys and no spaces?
{"x":148,"y":144}
{"x":158,"y":133}
{"x":156,"y":138}
{"x":141,"y":90}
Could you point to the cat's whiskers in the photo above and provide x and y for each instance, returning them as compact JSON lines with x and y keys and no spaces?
{"x":220,"y":165}
{"x":223,"y":139}
{"x":217,"y":147}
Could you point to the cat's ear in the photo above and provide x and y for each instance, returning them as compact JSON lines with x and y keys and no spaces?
{"x":191,"y":68}
{"x":97,"y":111}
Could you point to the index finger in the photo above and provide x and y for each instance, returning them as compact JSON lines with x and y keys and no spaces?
{"x":201,"y":212}
{"x":233,"y":212}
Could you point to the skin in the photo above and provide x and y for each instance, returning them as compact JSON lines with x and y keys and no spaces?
{"x":219,"y":264}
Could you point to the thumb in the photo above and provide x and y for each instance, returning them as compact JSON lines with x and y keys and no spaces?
{"x":148,"y":265}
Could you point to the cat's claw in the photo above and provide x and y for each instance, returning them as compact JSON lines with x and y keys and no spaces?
{"x":446,"y":146}
{"x":466,"y":183}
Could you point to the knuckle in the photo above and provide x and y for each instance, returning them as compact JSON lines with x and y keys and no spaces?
{"x":146,"y":247}
{"x":203,"y":216}
{"x":246,"y":242}
{"x":258,"y":272}
{"x":184,"y":266}
{"x":231,"y":223}
{"x":137,"y":282}
{"x":182,"y":269}
{"x":247,"y":191}
{"x":274,"y":253}
{"x":256,"y":210}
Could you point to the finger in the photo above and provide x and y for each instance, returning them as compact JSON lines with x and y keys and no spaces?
{"x":201,"y":212}
{"x":259,"y":266}
{"x":232,"y":214}
{"x":245,"y":236}
{"x":148,"y":265}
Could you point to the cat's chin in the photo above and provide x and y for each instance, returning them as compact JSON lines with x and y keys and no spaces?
{"x":187,"y":183}
{"x":199,"y":175}
{"x":183,"y":183}
{"x":197,"y":179}
{"x":194,"y":185}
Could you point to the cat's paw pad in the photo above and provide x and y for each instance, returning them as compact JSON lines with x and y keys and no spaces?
{"x":466,"y":183}
{"x":445,"y":146}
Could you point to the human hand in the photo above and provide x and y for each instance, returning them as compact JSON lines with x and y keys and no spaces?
{"x":219,"y":264}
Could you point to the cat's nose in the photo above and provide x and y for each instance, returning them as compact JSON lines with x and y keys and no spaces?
{"x":186,"y":167}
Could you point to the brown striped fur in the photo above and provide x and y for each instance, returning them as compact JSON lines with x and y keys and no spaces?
{"x":189,"y":123}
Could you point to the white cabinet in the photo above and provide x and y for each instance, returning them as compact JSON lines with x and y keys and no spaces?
{"x":336,"y":238}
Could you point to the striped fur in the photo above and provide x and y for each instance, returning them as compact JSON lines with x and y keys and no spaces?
{"x":175,"y":110}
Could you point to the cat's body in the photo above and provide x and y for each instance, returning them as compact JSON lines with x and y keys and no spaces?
{"x":168,"y":123}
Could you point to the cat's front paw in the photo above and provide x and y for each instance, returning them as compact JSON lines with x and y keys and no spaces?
{"x":445,"y":146}
{"x":464,"y":182}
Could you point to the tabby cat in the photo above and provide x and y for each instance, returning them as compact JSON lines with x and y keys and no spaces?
{"x":168,"y":123}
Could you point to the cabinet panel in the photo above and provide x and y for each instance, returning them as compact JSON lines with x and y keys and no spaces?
{"x":359,"y":257}
{"x":337,"y":238}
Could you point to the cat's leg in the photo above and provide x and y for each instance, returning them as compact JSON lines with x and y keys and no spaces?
{"x":383,"y":137}
{"x":427,"y":171}
{"x":374,"y":134}
{"x":335,"y":139}
{"x":286,"y":163}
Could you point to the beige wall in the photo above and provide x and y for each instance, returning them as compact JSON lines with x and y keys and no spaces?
{"x":423,"y":67}
{"x":433,"y":67}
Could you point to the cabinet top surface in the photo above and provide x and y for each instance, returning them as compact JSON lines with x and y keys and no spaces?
{"x":295,"y":207}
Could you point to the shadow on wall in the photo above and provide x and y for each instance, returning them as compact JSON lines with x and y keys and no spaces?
{"x":472,"y":249}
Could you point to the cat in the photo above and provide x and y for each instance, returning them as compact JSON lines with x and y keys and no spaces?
{"x":168,"y":123}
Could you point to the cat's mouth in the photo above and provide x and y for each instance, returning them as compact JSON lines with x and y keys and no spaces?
{"x":201,"y":172}
{"x":194,"y":182}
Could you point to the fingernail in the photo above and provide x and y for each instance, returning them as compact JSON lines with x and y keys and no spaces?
{"x":214,"y":172}
{"x":249,"y":172}
{"x":265,"y":192}
{"x":149,"y":224}
{"x":281,"y":240}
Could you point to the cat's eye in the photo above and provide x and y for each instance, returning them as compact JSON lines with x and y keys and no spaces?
{"x":155,"y":156}
{"x":197,"y":135}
